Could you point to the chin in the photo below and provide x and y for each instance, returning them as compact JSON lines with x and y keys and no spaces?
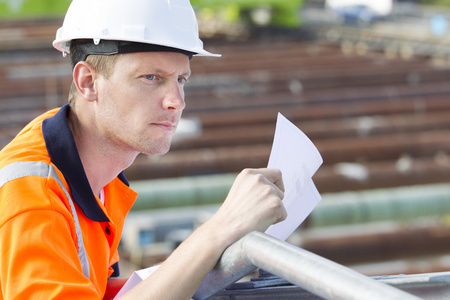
{"x":153,"y":151}
{"x":160,"y":153}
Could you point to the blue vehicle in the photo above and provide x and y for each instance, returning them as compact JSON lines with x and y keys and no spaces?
{"x":356,"y":13}
{"x":360,"y":11}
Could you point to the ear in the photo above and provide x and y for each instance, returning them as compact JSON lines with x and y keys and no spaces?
{"x":84,"y":77}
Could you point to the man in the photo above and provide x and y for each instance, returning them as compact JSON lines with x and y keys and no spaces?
{"x":63,"y":196}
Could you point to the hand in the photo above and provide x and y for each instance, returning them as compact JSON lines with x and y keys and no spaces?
{"x":253,"y":203}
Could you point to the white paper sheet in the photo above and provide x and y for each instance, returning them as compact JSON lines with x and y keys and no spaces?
{"x":134,"y":279}
{"x":298,"y":159}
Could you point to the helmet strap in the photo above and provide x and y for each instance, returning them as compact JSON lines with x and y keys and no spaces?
{"x":87,"y":47}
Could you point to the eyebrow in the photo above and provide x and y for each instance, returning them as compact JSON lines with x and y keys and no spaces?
{"x":188,"y":73}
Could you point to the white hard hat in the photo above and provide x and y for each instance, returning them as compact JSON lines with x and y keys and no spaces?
{"x":170,"y":23}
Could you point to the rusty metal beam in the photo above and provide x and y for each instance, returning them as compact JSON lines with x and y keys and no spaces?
{"x":380,"y":242}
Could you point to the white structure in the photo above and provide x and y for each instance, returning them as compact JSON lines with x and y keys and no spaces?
{"x":378,"y":7}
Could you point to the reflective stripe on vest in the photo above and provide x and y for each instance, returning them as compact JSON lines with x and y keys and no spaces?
{"x":31,"y":168}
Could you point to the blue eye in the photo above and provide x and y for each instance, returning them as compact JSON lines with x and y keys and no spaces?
{"x":181,"y":79}
{"x":150,"y":77}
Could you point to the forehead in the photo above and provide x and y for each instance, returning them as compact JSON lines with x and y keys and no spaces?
{"x":167,"y":62}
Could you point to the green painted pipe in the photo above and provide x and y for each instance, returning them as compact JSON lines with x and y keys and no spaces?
{"x":183,"y":191}
{"x":401,"y":203}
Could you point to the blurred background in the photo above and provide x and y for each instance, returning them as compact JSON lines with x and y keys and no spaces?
{"x":367,"y":81}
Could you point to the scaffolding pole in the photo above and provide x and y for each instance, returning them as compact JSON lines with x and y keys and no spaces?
{"x":316,"y":274}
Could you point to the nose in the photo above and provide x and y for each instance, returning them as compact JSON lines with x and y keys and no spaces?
{"x":174,"y":97}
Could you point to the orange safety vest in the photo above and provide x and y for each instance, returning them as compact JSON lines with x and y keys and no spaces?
{"x":57,"y":240}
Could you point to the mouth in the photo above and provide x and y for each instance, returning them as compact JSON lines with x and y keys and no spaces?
{"x":167,"y":126}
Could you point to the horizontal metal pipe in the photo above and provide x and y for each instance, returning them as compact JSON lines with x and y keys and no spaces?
{"x":183,"y":191}
{"x":223,"y":118}
{"x":298,"y":266}
{"x":365,"y":244}
{"x":399,"y":203}
{"x":232,"y":266}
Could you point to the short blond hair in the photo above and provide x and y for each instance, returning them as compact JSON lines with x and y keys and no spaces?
{"x":103,"y":64}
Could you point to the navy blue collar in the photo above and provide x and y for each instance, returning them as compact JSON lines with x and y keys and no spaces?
{"x":64,"y":154}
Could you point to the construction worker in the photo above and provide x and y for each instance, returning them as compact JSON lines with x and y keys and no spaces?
{"x":63,"y":196}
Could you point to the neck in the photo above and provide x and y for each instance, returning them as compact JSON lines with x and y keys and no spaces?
{"x":101,"y":163}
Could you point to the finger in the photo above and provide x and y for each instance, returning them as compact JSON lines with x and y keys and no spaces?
{"x":282,"y":215}
{"x":278,"y":191}
{"x":274,"y":176}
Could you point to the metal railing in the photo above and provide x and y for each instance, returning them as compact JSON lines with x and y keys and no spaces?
{"x":316,"y":274}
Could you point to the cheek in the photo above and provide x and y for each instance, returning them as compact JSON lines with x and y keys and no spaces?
{"x":118,"y":103}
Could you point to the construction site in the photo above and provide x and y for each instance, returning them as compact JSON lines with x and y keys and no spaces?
{"x":373,"y":95}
